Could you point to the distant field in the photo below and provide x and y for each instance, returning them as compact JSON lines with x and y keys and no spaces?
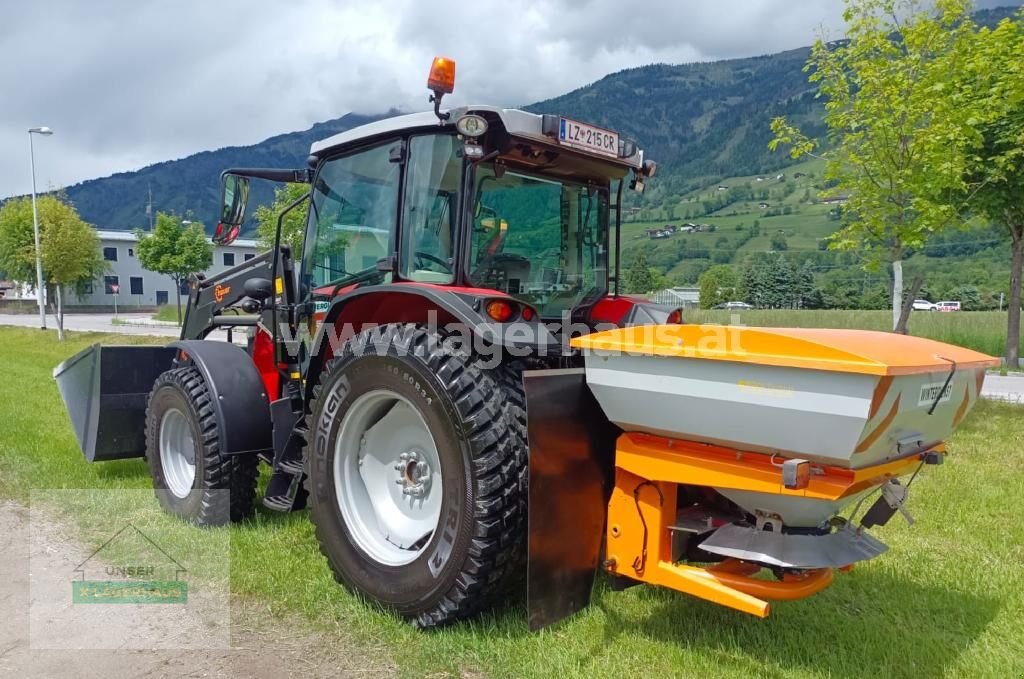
{"x":804,"y":232}
{"x":983,"y":331}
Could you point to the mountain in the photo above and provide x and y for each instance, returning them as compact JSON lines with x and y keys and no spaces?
{"x":695,"y":120}
{"x":193,"y":183}
{"x":701,"y":122}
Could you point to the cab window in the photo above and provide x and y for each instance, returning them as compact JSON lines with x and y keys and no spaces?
{"x":540,"y":239}
{"x":431,"y":196}
{"x":353,"y":210}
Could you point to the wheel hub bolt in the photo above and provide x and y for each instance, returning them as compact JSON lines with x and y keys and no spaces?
{"x":414,"y":474}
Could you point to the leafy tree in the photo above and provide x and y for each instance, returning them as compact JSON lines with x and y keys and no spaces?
{"x":993,"y":84}
{"x":71,"y":254}
{"x":717,"y":285}
{"x":293,"y":229}
{"x":659,"y":281}
{"x":638,"y":278}
{"x":175,"y":250}
{"x":69,"y":247}
{"x":17,"y":246}
{"x":779,"y":242}
{"x":898,"y":141}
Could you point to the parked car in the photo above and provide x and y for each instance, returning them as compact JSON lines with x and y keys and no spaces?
{"x":948,"y":306}
{"x":733,"y":305}
{"x":923,"y":305}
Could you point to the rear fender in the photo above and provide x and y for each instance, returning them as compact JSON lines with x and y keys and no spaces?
{"x":356,"y":310}
{"x":239,"y":396}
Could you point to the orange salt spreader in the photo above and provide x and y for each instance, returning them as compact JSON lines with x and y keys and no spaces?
{"x":695,"y":457}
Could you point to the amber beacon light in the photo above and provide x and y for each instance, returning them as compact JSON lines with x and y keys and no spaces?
{"x":442,"y":76}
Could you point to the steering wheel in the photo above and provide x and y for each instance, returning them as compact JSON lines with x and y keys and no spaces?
{"x":437,"y":260}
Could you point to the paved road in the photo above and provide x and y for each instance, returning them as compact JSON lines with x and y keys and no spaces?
{"x":1004,"y":388}
{"x":93,"y":323}
{"x":132,"y":324}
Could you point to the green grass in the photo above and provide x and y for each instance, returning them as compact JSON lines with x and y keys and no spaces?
{"x":983,"y":331}
{"x":167,"y":312}
{"x":946,"y":600}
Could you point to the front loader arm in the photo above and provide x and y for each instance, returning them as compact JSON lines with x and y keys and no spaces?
{"x":222,"y":301}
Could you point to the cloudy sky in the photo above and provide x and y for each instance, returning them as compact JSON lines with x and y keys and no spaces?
{"x":126,"y":83}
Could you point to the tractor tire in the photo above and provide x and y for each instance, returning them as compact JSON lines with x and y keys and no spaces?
{"x":181,"y":423}
{"x":465,"y":427}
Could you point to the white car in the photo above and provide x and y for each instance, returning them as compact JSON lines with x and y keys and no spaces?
{"x":948,"y":305}
{"x":923,"y":305}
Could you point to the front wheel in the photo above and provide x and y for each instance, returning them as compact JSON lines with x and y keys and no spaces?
{"x":190,"y":476}
{"x":415,"y":457}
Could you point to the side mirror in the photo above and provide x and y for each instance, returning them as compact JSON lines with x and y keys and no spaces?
{"x":234,"y":195}
{"x":258,"y":288}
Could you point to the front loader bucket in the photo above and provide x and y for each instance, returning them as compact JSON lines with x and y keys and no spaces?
{"x":104,"y":389}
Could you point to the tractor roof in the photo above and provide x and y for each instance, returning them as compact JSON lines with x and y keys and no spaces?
{"x":516,"y":123}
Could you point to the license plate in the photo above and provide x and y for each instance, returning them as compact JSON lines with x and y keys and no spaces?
{"x":588,"y":138}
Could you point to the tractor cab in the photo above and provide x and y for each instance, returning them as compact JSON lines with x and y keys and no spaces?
{"x":476,"y":198}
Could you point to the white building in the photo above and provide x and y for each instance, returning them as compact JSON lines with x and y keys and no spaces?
{"x":137,"y":286}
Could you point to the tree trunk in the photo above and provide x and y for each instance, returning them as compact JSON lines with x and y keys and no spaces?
{"x":60,"y":315}
{"x":1013,"y":310}
{"x":897,"y":292}
{"x":177,"y":295}
{"x":908,"y":304}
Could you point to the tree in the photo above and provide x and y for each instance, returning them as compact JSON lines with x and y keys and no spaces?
{"x":71,"y":254}
{"x":993,"y":84}
{"x":779,"y":242}
{"x":803,"y":285}
{"x":638,"y":277}
{"x":293,"y":229}
{"x":898,"y":140}
{"x":17,"y":247}
{"x":175,"y":249}
{"x":717,"y":285}
{"x":69,"y":247}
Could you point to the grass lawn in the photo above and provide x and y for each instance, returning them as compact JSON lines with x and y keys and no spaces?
{"x":946,"y":600}
{"x":167,"y":312}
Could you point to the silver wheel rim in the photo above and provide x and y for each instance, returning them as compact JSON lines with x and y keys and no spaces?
{"x":387,"y":477}
{"x":177,"y":453}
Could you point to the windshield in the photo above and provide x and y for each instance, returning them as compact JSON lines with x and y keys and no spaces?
{"x":539,"y":239}
{"x":352,"y":215}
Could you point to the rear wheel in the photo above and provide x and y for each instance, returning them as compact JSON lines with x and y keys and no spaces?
{"x":190,"y":476}
{"x":415,"y":473}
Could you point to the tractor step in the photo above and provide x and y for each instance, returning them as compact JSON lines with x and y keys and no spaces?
{"x":293,"y":467}
{"x":278,"y":503}
{"x":284,"y":492}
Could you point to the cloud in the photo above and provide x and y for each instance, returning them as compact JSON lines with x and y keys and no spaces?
{"x":125,"y":84}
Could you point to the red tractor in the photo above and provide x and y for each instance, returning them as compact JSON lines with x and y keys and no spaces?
{"x":444,"y":253}
{"x":428,"y":377}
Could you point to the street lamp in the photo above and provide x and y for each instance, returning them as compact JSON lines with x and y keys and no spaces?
{"x":45,"y":131}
